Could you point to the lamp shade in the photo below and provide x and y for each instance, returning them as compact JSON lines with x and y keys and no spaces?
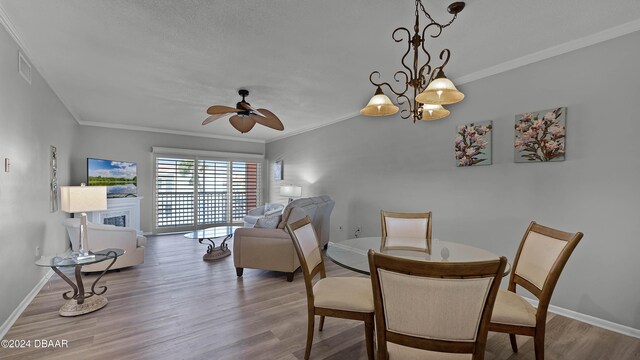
{"x":440,"y":91}
{"x":291,"y":190}
{"x":379,"y":105}
{"x":83,"y":198}
{"x":433,"y":112}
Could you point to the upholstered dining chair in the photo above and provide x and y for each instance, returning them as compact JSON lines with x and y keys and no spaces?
{"x":542,"y":255}
{"x":341,"y":297}
{"x":433,"y":310}
{"x":406,"y":231}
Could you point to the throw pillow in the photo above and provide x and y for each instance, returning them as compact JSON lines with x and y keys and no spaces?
{"x":268,"y":222}
{"x":285,"y":216}
{"x":273,"y":212}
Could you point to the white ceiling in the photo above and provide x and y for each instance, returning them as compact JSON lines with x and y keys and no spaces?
{"x":158,"y":64}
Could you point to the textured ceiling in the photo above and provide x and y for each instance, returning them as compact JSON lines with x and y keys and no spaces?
{"x":160,"y":63}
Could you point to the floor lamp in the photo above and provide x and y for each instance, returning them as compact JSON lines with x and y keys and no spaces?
{"x":80,"y":199}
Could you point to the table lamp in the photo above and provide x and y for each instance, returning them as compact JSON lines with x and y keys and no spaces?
{"x":292,"y":191}
{"x":80,"y":199}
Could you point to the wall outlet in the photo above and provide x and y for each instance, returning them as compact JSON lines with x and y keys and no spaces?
{"x":340,"y":228}
{"x":37,"y":251}
{"x":358,"y":231}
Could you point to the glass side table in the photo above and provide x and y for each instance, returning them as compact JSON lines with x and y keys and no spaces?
{"x":81,"y":301}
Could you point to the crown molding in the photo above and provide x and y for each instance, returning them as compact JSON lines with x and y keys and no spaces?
{"x":13,"y":32}
{"x":168,"y":131}
{"x":313,"y":127}
{"x":569,"y":46}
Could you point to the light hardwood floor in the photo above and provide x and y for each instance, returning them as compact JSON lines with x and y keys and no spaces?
{"x":177,"y":306}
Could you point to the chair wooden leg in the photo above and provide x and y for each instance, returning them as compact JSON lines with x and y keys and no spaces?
{"x":290,"y":276}
{"x":538,"y":344}
{"x":239,"y":271}
{"x":321,"y":323}
{"x":514,"y":344}
{"x":310,"y":325}
{"x":368,"y":335}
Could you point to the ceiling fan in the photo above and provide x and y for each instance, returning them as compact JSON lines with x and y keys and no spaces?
{"x":245,"y":115}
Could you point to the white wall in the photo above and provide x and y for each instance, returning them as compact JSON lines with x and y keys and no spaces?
{"x":368,"y":164}
{"x":135,"y":146}
{"x":31,"y":119}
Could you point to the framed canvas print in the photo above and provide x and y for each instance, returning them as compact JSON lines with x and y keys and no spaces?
{"x":540,"y":136}
{"x":53,"y":179}
{"x":473,"y":144}
{"x":277,"y":170}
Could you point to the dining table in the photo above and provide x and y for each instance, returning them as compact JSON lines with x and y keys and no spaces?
{"x":352,"y":253}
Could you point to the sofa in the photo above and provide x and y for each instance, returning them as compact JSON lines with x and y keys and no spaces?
{"x":271,"y":248}
{"x":267,"y":209}
{"x":108,"y":236}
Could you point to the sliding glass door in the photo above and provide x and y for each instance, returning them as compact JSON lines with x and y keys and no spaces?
{"x":198,"y":193}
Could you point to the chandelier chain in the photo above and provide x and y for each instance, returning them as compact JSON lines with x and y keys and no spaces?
{"x":419,"y":2}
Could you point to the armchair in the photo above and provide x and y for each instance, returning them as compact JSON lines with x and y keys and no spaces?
{"x":109,"y":236}
{"x":272,"y":248}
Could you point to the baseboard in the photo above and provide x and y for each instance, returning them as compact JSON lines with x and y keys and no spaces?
{"x":23,"y":304}
{"x":605,"y":324}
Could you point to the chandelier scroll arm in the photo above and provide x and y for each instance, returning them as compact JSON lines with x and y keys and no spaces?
{"x":444,"y":55}
{"x":408,"y":39}
{"x":389,"y":86}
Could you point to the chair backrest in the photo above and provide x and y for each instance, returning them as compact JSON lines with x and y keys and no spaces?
{"x":305,"y":241}
{"x":433,"y":306}
{"x":406,"y":226}
{"x":542,"y":255}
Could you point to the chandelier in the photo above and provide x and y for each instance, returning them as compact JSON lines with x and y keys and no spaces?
{"x":431,"y":88}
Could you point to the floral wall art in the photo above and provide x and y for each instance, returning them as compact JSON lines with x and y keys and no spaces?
{"x":540,"y":136}
{"x":473,"y":144}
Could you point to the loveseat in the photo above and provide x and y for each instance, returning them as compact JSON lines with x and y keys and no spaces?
{"x":272,"y":248}
{"x":108,"y":236}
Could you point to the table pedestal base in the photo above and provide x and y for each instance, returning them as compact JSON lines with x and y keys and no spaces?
{"x":216,"y":253}
{"x":90,"y":304}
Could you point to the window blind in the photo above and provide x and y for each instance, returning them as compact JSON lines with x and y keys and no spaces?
{"x":204,"y":192}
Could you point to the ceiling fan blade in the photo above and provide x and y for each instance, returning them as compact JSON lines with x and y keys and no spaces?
{"x":242,"y":123}
{"x":271,"y":120}
{"x":219,"y":109}
{"x":212,"y":118}
{"x":251,"y":108}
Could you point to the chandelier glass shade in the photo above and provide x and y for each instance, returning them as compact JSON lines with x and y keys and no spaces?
{"x":430,"y":86}
{"x":433,"y":112}
{"x":379,"y":105}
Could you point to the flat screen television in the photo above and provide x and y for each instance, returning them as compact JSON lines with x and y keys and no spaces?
{"x":120,"y":177}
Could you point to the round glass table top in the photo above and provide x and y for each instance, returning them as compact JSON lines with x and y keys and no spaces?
{"x":212,"y":232}
{"x":352,"y":253}
{"x":65,"y":261}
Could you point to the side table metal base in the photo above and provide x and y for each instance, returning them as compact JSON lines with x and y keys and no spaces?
{"x":216,"y":253}
{"x":90,"y":304}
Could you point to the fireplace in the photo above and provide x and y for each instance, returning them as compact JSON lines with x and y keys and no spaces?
{"x":123,"y":212}
{"x":119,"y":220}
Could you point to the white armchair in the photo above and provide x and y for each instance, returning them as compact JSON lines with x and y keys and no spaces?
{"x":109,"y":236}
{"x":261,"y":211}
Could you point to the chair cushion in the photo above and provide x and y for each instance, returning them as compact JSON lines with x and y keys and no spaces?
{"x":400,"y":352}
{"x":141,"y":241}
{"x":512,"y":309}
{"x":344,"y":293}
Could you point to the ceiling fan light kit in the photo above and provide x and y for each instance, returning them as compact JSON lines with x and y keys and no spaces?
{"x":431,"y":88}
{"x":246,"y":117}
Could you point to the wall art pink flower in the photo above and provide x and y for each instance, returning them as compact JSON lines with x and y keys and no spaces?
{"x":473,"y":144}
{"x":540,"y":136}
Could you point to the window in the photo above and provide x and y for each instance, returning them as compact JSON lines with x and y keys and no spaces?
{"x":193,"y":192}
